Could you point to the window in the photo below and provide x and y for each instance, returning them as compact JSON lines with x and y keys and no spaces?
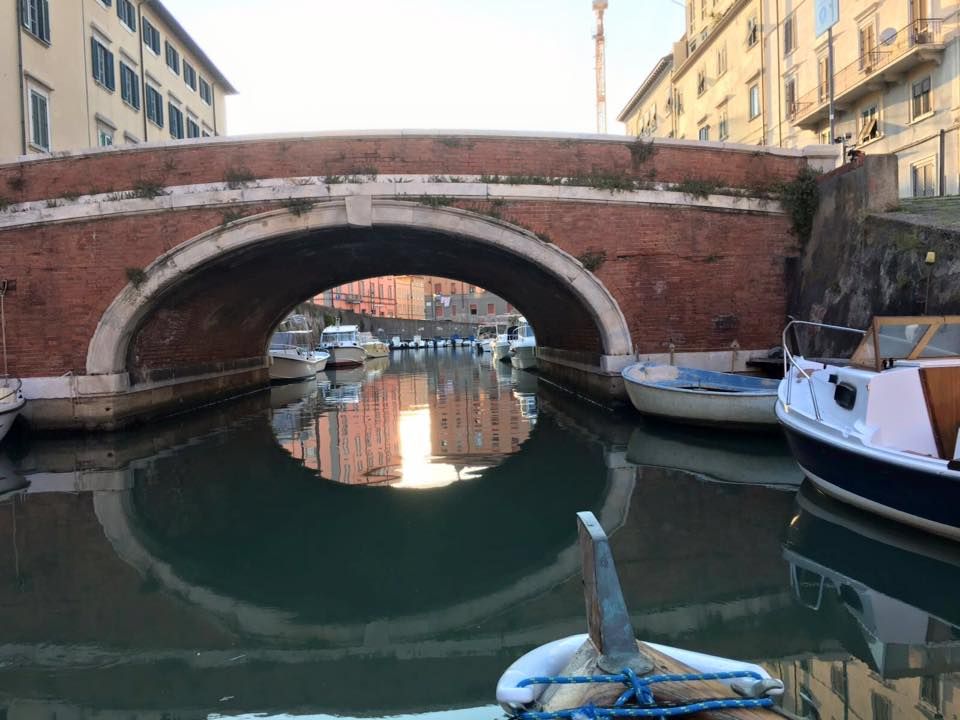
{"x":130,"y":139}
{"x":703,"y":9}
{"x":930,"y":691}
{"x":173,"y":57}
{"x":206,"y":92}
{"x":701,"y":82}
{"x":193,"y":131}
{"x":176,"y":121}
{"x":838,"y":679}
{"x":789,"y":35}
{"x":678,"y":103}
{"x":154,"y":106}
{"x":104,"y":134}
{"x":753,"y":31}
{"x":453,"y":309}
{"x":106,"y":3}
{"x":704,"y":133}
{"x":868,"y":48}
{"x":35,"y":17}
{"x":721,"y":60}
{"x":151,"y":36}
{"x":189,"y":76}
{"x":490,"y":309}
{"x":39,"y":119}
{"x":473,"y":308}
{"x":869,"y":124}
{"x":724,"y":126}
{"x":790,"y":97}
{"x":923,"y":177}
{"x":823,"y":79}
{"x":102,"y":62}
{"x":754,"y":95}
{"x":129,"y":86}
{"x":921,"y":98}
{"x":437,"y":288}
{"x":127,"y":14}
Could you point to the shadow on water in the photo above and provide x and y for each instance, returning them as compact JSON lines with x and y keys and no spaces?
{"x":255,"y":558}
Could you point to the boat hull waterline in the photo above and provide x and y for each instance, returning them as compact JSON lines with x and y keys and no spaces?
{"x":523,"y":357}
{"x":284,"y":368}
{"x":8,"y":414}
{"x":924,"y":497}
{"x":346,"y":356}
{"x":701,"y":397}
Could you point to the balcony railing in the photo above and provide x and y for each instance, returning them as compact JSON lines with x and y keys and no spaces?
{"x":925,"y":33}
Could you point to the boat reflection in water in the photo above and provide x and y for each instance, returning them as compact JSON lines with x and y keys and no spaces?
{"x":715,"y":454}
{"x":899,"y":590}
{"x":396,"y":425}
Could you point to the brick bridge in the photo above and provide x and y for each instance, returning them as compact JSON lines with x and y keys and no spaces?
{"x":143,"y":280}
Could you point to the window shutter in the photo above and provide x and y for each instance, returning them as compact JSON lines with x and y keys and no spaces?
{"x":110,"y":77}
{"x":95,"y":60}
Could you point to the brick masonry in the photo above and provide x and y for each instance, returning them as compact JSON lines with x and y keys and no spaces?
{"x":698,"y":278}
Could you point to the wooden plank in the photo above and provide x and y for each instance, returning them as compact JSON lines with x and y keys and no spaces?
{"x":584,"y":662}
{"x":941,"y":391}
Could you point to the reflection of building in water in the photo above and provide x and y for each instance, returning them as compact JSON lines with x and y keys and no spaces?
{"x":470,"y":420}
{"x":849,"y":688}
{"x":406,"y":428}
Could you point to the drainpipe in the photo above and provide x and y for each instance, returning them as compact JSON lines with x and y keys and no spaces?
{"x":85,"y":44}
{"x":213,"y":103}
{"x":943,"y":158}
{"x":763,"y":115}
{"x":779,"y":90}
{"x":143,"y":70}
{"x":23,"y":90}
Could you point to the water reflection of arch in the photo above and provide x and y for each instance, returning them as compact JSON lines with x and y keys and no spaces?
{"x":133,"y":537}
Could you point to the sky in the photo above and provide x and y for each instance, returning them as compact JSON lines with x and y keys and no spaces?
{"x":314,"y":65}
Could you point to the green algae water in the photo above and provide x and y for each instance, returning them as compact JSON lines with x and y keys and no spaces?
{"x":383,"y":542}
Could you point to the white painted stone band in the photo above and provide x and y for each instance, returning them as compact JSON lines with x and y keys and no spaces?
{"x":399,"y":187}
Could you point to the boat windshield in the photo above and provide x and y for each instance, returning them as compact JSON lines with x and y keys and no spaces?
{"x":335,"y":337}
{"x":908,"y":338}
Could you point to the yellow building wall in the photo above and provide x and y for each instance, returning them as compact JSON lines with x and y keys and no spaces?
{"x":77,"y":103}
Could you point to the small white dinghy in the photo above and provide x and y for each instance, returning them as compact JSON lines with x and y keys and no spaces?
{"x":702,"y":397}
{"x":607,"y":673}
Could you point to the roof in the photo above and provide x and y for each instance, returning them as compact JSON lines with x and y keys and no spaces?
{"x":167,"y":17}
{"x":663,"y":64}
{"x":340,"y":328}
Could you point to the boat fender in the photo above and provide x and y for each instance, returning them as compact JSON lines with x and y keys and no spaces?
{"x":750,"y":688}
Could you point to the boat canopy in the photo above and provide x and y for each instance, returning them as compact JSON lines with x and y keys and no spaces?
{"x":921,"y":337}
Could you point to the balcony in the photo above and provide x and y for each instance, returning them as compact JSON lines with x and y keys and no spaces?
{"x":919,"y":42}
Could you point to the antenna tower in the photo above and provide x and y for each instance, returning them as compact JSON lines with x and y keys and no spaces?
{"x":600,"y":66}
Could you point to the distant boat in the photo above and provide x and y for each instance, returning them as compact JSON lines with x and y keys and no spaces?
{"x":373,"y":347}
{"x":11,"y":403}
{"x":342,"y":342}
{"x":702,"y":397}
{"x":881,"y":432}
{"x":291,"y":358}
{"x":523,"y":349}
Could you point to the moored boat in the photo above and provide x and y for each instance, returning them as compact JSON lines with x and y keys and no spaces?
{"x":341,"y":342}
{"x":373,"y":347}
{"x":588,"y":675}
{"x":11,"y":403}
{"x":881,"y":432}
{"x":701,"y":397}
{"x":523,"y":349}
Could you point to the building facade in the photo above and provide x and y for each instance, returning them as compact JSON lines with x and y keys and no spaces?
{"x":755,"y":72}
{"x":90,"y":73}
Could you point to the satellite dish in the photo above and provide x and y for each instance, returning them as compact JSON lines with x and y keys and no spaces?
{"x":888,"y":36}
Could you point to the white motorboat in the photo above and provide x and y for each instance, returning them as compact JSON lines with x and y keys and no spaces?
{"x":11,"y":403}
{"x":397,"y":344}
{"x":701,"y":397}
{"x":523,"y":350}
{"x":343,"y":344}
{"x":881,"y":432}
{"x":373,"y":347}
{"x":291,"y":358}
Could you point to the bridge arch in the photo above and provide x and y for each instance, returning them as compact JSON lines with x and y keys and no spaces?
{"x":350,"y":239}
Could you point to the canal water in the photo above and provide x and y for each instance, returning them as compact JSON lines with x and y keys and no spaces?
{"x":386,"y":540}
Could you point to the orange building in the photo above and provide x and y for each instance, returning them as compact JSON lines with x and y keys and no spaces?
{"x":410,"y":297}
{"x":375,"y":296}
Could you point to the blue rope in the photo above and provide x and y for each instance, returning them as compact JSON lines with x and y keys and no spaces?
{"x":640,"y":696}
